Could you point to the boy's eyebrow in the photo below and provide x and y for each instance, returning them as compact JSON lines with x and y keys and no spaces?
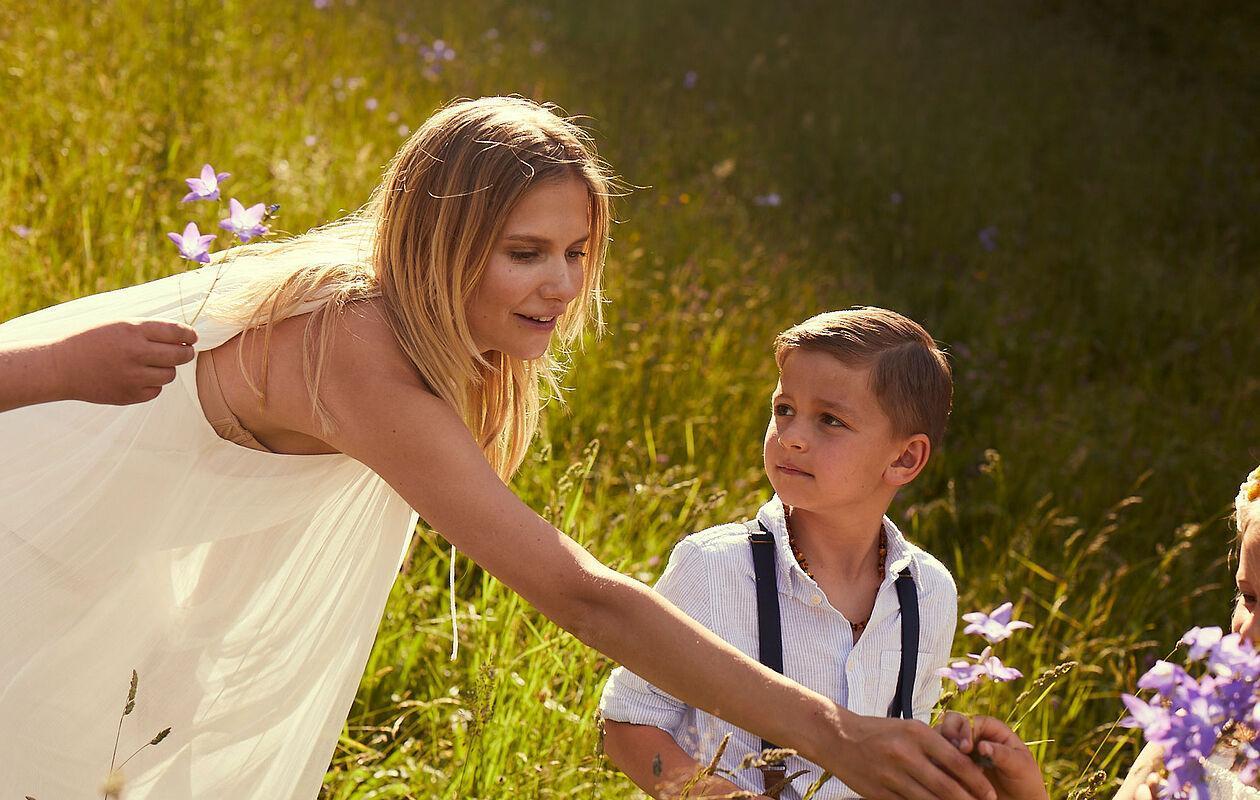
{"x":836,"y":405}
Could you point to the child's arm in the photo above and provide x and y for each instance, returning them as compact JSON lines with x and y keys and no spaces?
{"x":117,"y":363}
{"x":653,"y":760}
{"x":1015,"y":773}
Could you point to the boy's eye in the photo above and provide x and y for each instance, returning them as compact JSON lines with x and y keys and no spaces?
{"x":1248,"y":599}
{"x":833,"y":422}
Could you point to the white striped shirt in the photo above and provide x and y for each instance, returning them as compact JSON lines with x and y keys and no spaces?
{"x":710,"y":577}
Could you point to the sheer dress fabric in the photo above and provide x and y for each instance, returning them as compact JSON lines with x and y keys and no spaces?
{"x":1223,"y":782}
{"x":244,"y":587}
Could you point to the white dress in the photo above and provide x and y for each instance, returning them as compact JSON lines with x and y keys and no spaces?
{"x":1223,"y":784}
{"x":244,"y":587}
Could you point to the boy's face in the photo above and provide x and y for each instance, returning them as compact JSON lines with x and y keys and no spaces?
{"x":829,"y":443}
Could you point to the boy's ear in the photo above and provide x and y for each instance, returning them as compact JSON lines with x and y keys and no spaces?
{"x":913,"y":458}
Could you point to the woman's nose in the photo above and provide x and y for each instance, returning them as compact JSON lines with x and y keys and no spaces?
{"x":1249,"y":628}
{"x":564,"y":281}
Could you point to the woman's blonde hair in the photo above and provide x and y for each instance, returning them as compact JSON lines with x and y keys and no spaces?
{"x":422,"y":243}
{"x":1246,"y":501}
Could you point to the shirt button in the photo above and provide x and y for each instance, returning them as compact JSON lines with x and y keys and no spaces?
{"x":815,"y":599}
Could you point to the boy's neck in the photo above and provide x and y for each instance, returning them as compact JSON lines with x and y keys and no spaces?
{"x":845,"y":545}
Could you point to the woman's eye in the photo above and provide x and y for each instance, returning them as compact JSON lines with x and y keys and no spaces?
{"x":577,"y":254}
{"x":523,"y":255}
{"x":1248,"y":599}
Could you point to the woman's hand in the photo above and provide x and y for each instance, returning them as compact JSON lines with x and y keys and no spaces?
{"x":1015,"y":773}
{"x":1142,"y":782}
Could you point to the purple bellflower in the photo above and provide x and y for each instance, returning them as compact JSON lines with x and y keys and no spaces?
{"x":246,"y":223}
{"x":193,"y":244}
{"x":995,"y":626}
{"x":207,"y":186}
{"x":962,"y":673}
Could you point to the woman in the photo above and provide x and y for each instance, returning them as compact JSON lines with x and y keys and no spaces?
{"x":398,"y":368}
{"x":1221,"y":768}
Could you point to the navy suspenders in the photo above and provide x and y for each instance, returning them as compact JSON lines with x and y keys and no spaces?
{"x":770,"y":636}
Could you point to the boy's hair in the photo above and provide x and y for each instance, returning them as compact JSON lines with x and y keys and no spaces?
{"x":910,"y":375}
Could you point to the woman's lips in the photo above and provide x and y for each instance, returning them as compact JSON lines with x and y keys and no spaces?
{"x":537,"y":324}
{"x":788,"y":470}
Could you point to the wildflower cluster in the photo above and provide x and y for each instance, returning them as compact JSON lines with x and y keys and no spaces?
{"x":1188,"y":717}
{"x":994,"y":627}
{"x":243,"y":222}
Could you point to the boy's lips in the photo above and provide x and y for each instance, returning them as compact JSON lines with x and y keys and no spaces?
{"x":793,"y":470}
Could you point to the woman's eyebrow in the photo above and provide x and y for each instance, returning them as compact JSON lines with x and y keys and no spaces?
{"x":531,"y":238}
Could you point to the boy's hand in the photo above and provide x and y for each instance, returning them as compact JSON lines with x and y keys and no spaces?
{"x":895,"y":759}
{"x":119,"y":363}
{"x":1015,"y":773}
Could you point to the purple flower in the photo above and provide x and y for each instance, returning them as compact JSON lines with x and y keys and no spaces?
{"x":439,"y":51}
{"x":246,"y":223}
{"x":962,"y":673}
{"x":370,"y":104}
{"x":1201,"y":641}
{"x":773,"y":200}
{"x":994,"y":668}
{"x":995,"y":626}
{"x":1164,"y":678}
{"x":690,"y":79}
{"x":1234,"y":657}
{"x":988,"y":238}
{"x":207,"y":186}
{"x":1153,"y":719}
{"x":22,"y":231}
{"x":193,"y":245}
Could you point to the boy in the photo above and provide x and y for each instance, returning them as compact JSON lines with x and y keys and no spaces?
{"x":115,"y":363}
{"x":862,"y":399}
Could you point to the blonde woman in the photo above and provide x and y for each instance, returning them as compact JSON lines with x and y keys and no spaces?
{"x":1222,"y":767}
{"x":234,"y":541}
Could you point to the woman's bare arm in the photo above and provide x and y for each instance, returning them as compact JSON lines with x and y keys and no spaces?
{"x":389,"y":422}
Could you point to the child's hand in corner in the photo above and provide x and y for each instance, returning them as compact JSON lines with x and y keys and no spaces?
{"x":1015,"y":774}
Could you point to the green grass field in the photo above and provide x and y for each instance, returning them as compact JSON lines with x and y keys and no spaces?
{"x":1065,"y":194}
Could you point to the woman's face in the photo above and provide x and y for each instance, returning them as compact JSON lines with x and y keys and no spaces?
{"x":535,"y":271}
{"x":1245,"y":619}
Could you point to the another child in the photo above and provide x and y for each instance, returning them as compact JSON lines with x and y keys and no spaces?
{"x":117,"y":363}
{"x":862,"y":400}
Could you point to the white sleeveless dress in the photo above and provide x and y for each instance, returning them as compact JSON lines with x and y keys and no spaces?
{"x":1223,"y":784}
{"x":244,"y":587}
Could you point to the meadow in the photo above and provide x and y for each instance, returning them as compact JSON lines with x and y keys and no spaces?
{"x":1064,"y":194}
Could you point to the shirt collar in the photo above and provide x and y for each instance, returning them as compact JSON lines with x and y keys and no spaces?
{"x":772,"y":516}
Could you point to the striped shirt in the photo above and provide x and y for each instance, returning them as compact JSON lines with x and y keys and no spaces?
{"x":710,"y":577}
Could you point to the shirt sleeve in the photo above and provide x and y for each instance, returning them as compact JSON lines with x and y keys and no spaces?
{"x":942,"y":619}
{"x":629,"y":698}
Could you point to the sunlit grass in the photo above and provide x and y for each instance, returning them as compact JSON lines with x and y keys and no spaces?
{"x":1068,"y":204}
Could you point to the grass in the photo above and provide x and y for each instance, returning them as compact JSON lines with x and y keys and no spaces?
{"x":1103,"y":340}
